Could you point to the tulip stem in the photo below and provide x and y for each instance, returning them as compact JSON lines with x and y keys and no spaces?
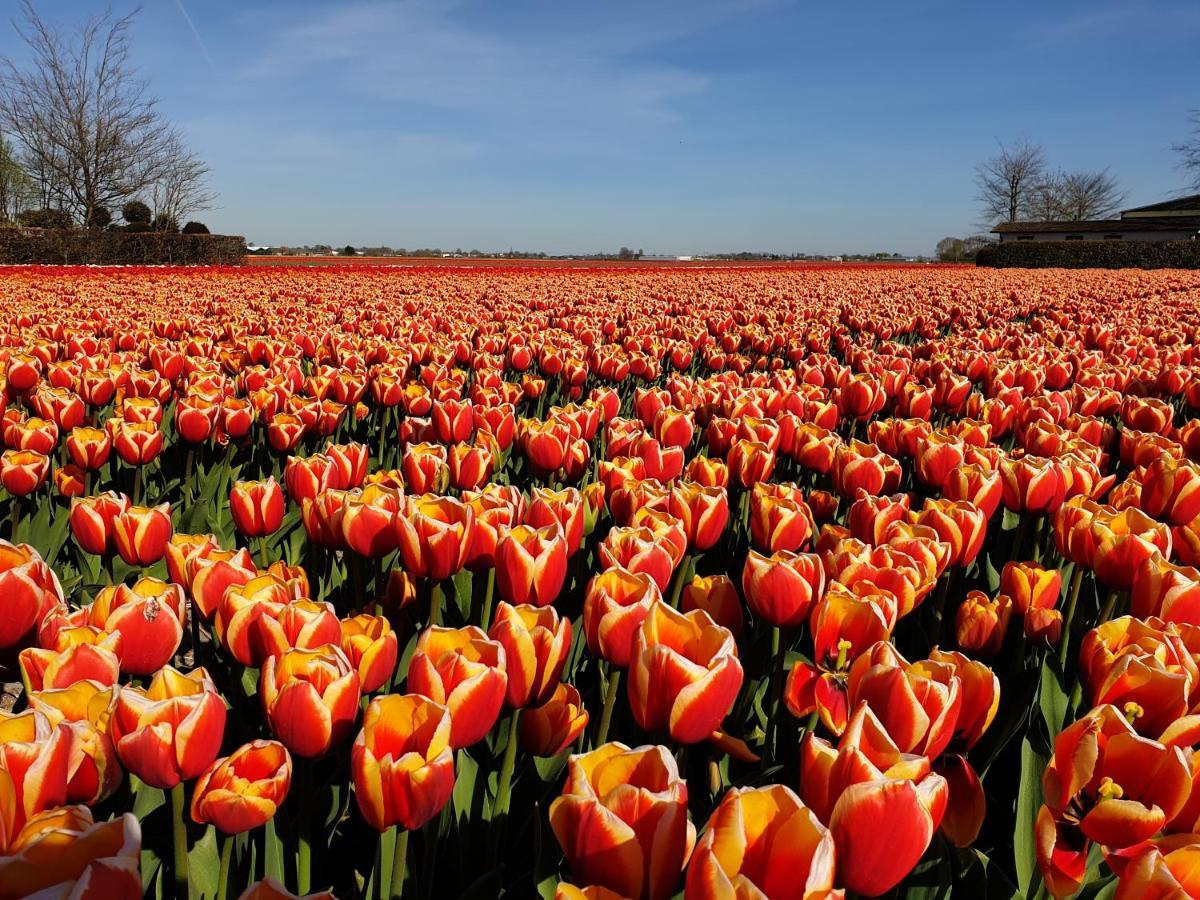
{"x":681,"y":578}
{"x":1065,"y":642}
{"x":778,"y":653}
{"x":264,"y":556}
{"x":503,"y":788}
{"x":137,"y":485}
{"x":179,"y":827}
{"x":399,"y":864}
{"x":489,"y":593}
{"x":610,"y":701}
{"x":436,"y":595}
{"x":304,"y":825}
{"x":226,"y":861}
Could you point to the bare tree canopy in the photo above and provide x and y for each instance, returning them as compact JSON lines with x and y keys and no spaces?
{"x":1090,"y":195}
{"x":1189,"y":152}
{"x":1006,"y":181}
{"x":88,"y":133}
{"x":181,"y":188}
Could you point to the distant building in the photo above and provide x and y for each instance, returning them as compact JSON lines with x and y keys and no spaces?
{"x":1173,"y":220}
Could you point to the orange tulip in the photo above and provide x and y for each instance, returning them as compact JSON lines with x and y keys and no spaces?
{"x":1030,"y":586}
{"x":257,"y":507}
{"x":981,"y":623}
{"x":717,"y":596}
{"x":1033,"y":484}
{"x":212,"y":572}
{"x":86,"y":653}
{"x":1170,"y":592}
{"x":551,"y":728}
{"x":23,"y":471}
{"x":35,"y":768}
{"x":563,"y":508}
{"x":245,"y":789}
{"x":917,"y":704}
{"x":1161,"y":870}
{"x":64,"y":853}
{"x":1123,"y":541}
{"x":170,"y":731}
{"x":461,"y":669}
{"x":782,"y":588}
{"x":531,"y":564}
{"x":860,"y":616}
{"x":368,"y":520}
{"x":1147,"y":662}
{"x":762,"y":842}
{"x":150,"y":617}
{"x":635,"y":549}
{"x":684,"y":674}
{"x":867,"y":787}
{"x":140,"y":533}
{"x":1107,"y":784}
{"x":85,"y":709}
{"x":779,"y":518}
{"x":402,"y":763}
{"x":615,"y":604}
{"x":536,"y":642}
{"x":622,"y":820}
{"x":372,"y":648}
{"x":29,"y":589}
{"x":310,"y":698}
{"x":434,"y":535}
{"x":88,"y":448}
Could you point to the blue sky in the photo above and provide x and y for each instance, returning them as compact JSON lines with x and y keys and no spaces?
{"x":674,"y":127}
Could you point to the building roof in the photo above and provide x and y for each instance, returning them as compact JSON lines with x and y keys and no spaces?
{"x":1114,"y":226}
{"x":1178,"y":205}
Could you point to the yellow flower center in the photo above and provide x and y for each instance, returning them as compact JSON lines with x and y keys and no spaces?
{"x":1110,"y":790}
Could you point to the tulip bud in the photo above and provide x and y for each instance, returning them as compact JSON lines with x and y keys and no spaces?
{"x":551,"y":728}
{"x":622,"y":820}
{"x":402,"y":763}
{"x":310,"y":698}
{"x":172,"y":730}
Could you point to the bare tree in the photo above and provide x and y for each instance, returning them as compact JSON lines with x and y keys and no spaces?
{"x":1045,"y":200}
{"x":1006,"y":180}
{"x":181,"y":187}
{"x":88,"y":131}
{"x":1189,"y":152}
{"x":1090,"y":195}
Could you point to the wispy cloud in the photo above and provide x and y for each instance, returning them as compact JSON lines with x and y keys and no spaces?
{"x":562,"y":81}
{"x":196,"y":34}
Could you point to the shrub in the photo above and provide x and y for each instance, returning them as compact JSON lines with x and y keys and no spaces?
{"x":163,"y":222}
{"x":128,"y":247}
{"x":45,"y":218}
{"x":135,"y":212}
{"x":1092,"y":255}
{"x":195,"y":228}
{"x":99,"y":218}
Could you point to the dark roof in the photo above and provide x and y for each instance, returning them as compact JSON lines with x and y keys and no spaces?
{"x":1113,"y":226}
{"x":1179,"y":203}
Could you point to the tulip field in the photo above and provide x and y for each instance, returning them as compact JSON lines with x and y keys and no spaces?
{"x":624,"y":582}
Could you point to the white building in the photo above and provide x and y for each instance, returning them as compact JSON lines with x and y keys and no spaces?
{"x":1173,"y":220}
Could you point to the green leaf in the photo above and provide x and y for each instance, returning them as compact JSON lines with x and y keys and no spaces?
{"x":1029,"y":799}
{"x":1052,"y":698}
{"x":204,"y":863}
{"x":465,"y":776}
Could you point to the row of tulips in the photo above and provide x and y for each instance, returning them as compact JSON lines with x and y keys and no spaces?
{"x":737,"y":583}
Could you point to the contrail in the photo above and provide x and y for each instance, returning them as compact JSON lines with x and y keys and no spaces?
{"x":196,"y":34}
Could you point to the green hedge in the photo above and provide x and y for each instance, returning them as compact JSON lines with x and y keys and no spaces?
{"x":31,"y":246}
{"x":1092,"y":255}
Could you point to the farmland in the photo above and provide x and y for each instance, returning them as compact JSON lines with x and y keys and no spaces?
{"x":599,"y":581}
